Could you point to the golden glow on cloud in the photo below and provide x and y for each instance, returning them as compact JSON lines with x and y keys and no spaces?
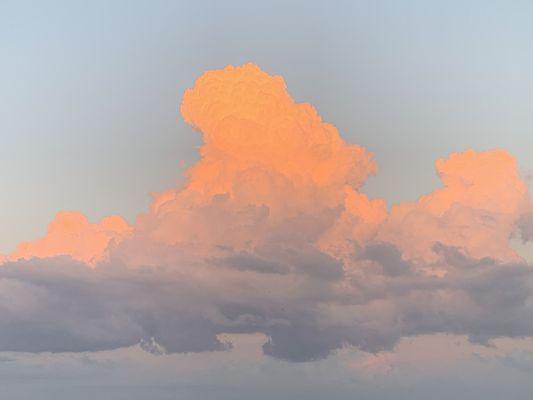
{"x":267,"y":161}
{"x":476,"y":209}
{"x":70,"y":233}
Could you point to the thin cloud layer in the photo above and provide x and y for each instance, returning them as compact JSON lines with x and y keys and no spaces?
{"x":271,"y":234}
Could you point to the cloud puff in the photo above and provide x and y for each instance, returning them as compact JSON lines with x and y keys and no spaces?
{"x":476,"y":209}
{"x":70,"y":233}
{"x":271,"y":234}
{"x":58,"y":305}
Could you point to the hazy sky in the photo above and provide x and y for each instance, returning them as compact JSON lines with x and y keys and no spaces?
{"x":90,"y":90}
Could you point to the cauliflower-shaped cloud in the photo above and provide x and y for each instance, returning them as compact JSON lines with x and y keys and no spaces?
{"x":271,"y":233}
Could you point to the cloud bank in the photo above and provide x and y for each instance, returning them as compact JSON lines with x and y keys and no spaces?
{"x":272,"y":234}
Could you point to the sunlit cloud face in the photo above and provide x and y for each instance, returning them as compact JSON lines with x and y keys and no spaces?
{"x":70,"y":233}
{"x":476,"y":209}
{"x":271,"y":234}
{"x":267,"y":164}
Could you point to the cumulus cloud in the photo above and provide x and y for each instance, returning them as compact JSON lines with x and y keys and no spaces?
{"x":271,"y":234}
{"x":525,"y":226}
{"x":57,"y":305}
{"x":476,"y":209}
{"x":70,"y":233}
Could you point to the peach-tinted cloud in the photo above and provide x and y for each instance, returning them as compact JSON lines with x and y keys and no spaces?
{"x":269,"y":166}
{"x":482,"y":198}
{"x":71,"y":234}
{"x":272,"y":234}
{"x":248,"y":120}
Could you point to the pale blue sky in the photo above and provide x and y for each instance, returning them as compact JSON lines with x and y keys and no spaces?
{"x":90,"y":90}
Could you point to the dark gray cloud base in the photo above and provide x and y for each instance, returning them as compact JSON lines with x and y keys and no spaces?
{"x":59,"y":305}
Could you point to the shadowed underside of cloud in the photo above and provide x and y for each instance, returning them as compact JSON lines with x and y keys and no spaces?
{"x":272,"y":234}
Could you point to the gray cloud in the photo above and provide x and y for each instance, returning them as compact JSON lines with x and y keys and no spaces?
{"x":60,"y":305}
{"x":525,"y":227}
{"x":246,"y":261}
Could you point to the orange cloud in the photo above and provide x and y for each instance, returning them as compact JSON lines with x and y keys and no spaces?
{"x":476,"y":210}
{"x":271,"y":234}
{"x":71,"y":234}
{"x":267,"y":165}
{"x":272,"y":171}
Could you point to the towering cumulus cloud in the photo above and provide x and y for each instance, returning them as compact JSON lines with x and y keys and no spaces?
{"x":271,"y":234}
{"x":271,"y":171}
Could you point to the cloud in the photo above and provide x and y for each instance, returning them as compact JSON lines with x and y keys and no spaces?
{"x":525,"y":226}
{"x":270,"y":171}
{"x":415,"y":369}
{"x":59,"y":305}
{"x":245,"y":261}
{"x":272,"y":235}
{"x":70,"y":233}
{"x":387,"y":257}
{"x":476,"y":209}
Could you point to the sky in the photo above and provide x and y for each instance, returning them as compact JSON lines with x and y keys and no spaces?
{"x":328,"y":197}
